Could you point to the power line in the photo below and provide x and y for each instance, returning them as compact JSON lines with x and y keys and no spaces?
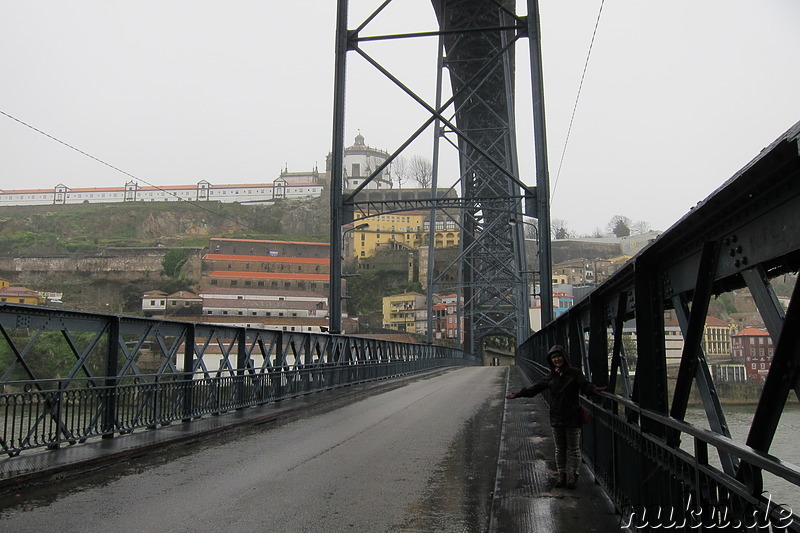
{"x":577,"y":98}
{"x":109,"y":165}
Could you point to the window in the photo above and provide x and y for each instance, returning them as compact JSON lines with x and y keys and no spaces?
{"x":234,"y":283}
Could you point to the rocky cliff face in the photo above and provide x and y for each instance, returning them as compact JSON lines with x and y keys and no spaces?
{"x":102,"y":257}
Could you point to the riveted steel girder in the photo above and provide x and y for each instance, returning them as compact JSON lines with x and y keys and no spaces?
{"x":744,"y":235}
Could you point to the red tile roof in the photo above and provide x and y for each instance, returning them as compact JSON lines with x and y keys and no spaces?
{"x":751,"y":332}
{"x":268,"y":275}
{"x":267,"y":259}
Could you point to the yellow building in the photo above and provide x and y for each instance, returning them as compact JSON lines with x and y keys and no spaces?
{"x":405,"y":312}
{"x":406,"y":230}
{"x":20,"y":295}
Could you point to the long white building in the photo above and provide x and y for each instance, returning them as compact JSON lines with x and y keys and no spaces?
{"x":292,"y":187}
{"x":360,"y":160}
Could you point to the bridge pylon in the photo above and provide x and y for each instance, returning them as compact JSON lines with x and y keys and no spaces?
{"x":475,"y":58}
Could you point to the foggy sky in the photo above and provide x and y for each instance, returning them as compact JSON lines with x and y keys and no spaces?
{"x":677,"y":97}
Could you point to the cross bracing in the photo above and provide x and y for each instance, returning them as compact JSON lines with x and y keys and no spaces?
{"x":476,"y":48}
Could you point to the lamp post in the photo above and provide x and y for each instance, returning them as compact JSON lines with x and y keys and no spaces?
{"x":335,"y":293}
{"x":514,"y":222}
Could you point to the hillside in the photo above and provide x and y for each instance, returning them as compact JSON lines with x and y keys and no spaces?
{"x":102,"y":257}
{"x":85,"y":228}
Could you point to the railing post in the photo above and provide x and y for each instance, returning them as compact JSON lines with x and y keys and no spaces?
{"x":241,"y":366}
{"x":112,"y":380}
{"x":188,"y":372}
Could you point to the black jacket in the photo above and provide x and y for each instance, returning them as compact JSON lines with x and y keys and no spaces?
{"x":564,"y":390}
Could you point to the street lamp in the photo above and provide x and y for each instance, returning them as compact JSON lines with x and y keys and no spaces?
{"x":354,"y":228}
{"x":513,"y":222}
{"x":336,"y":297}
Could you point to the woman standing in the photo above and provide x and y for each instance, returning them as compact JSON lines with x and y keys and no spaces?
{"x":564,"y":383}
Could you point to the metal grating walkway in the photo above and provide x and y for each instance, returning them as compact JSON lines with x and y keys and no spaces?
{"x":524,"y":497}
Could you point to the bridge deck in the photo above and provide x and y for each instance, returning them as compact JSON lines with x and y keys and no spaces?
{"x":524,"y":499}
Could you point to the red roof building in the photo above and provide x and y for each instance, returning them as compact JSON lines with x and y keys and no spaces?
{"x":753,"y":347}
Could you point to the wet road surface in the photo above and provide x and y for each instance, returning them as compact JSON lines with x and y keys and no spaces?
{"x":420,"y":457}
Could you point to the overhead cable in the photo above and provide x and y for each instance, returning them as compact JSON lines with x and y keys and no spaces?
{"x":90,"y":156}
{"x":577,"y":98}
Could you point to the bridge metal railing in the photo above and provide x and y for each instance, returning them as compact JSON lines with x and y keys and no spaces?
{"x":68,"y":376}
{"x":740,"y":243}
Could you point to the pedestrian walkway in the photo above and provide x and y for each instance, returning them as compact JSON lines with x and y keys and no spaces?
{"x":525,"y":499}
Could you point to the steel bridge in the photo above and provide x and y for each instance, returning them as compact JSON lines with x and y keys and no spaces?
{"x":133,"y":373}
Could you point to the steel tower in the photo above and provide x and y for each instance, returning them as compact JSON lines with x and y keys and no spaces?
{"x":476,"y":50}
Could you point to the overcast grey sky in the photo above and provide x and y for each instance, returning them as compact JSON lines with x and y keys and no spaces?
{"x":678,"y":95}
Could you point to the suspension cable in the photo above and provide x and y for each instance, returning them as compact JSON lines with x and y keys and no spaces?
{"x":577,"y":98}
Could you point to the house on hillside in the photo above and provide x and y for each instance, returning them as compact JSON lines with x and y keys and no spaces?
{"x":154,"y":303}
{"x":20,"y":295}
{"x":184,"y":303}
{"x":753,"y":347}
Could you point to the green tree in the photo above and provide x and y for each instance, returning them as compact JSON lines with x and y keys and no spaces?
{"x":174,"y":260}
{"x":620,"y":226}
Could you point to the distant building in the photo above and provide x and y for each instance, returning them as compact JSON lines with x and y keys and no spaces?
{"x":250,"y":308}
{"x":20,"y":295}
{"x":287,"y":266}
{"x":716,"y":339}
{"x":405,"y":312}
{"x":451,"y":301}
{"x":405,"y":230}
{"x":729,"y":372}
{"x":360,"y":161}
{"x":154,"y":303}
{"x":753,"y":348}
{"x":183,"y":304}
{"x":254,"y":303}
{"x":200,"y":192}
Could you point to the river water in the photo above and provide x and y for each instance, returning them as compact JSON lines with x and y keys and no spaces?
{"x":784,"y":446}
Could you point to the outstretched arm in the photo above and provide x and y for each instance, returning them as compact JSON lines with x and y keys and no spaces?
{"x":529,"y":392}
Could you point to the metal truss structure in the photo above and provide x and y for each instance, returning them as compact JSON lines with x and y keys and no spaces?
{"x":66,"y":377}
{"x":476,"y":49}
{"x":742,"y":237}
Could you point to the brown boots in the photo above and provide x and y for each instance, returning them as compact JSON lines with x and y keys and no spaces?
{"x":566,"y":481}
{"x":571,"y":480}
